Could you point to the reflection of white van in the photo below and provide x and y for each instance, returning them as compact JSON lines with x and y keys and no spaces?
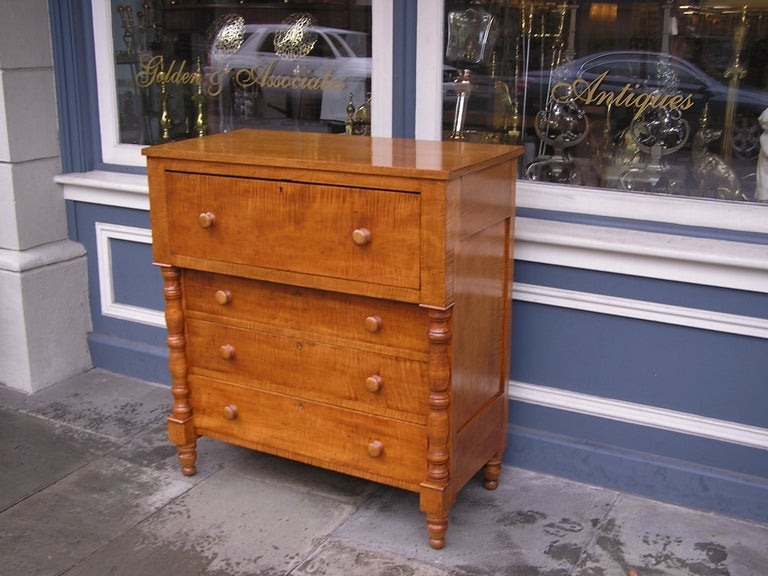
{"x":338,"y":64}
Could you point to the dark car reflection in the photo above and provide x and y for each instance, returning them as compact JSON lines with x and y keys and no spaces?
{"x":647,"y":72}
{"x":626,"y":75}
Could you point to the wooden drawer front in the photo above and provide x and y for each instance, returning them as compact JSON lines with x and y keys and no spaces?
{"x":334,"y":315}
{"x":366,"y":380}
{"x":284,"y":424}
{"x":356,"y":234}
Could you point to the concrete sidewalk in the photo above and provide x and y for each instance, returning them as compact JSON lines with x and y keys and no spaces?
{"x":89,"y":486}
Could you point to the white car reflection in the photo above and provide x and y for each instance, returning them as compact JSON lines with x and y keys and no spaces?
{"x":256,"y":82}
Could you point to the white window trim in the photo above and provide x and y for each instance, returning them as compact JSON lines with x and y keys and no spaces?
{"x":703,"y":261}
{"x":429,"y":70}
{"x":106,"y":188}
{"x":642,"y":310}
{"x":113,"y":152}
{"x":382,"y":25}
{"x":746,"y":217}
{"x":105,"y":233}
{"x":640,"y":414}
{"x":699,"y":212}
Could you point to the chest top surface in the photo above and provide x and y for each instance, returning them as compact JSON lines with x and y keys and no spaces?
{"x":282,"y":149}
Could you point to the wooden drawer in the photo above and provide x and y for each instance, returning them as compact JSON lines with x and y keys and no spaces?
{"x":327,"y":314}
{"x":351,"y":233}
{"x":365,"y":380}
{"x":286,"y":425}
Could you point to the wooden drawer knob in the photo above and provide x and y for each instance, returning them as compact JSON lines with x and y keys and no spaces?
{"x":227,"y":351}
{"x":206,"y":220}
{"x":373,"y":323}
{"x":230,"y":412}
{"x":375,"y":448}
{"x":223,"y":297}
{"x":361,"y":236}
{"x":374,"y":383}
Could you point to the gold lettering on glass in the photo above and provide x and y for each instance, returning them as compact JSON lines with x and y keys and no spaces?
{"x":178,"y":72}
{"x":630,"y":96}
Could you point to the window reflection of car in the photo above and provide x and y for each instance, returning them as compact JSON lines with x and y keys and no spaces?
{"x":647,"y":72}
{"x":256,"y":82}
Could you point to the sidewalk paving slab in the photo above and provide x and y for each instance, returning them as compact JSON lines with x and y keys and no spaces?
{"x":90,"y":486}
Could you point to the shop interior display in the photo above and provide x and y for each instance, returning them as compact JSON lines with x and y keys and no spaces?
{"x":659,"y":97}
{"x":471,"y":36}
{"x":644,"y":97}
{"x":184,"y":69}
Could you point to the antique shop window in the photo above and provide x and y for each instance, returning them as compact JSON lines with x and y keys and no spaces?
{"x":184,"y":68}
{"x":659,"y":97}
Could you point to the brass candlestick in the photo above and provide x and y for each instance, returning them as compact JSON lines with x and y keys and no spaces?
{"x":125,"y":11}
{"x":201,"y":126}
{"x":471,"y":36}
{"x":734,"y":74}
{"x":463,"y":90}
{"x":166,"y":121}
{"x":358,"y":120}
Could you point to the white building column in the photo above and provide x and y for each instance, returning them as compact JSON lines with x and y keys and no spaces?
{"x":44,"y":314}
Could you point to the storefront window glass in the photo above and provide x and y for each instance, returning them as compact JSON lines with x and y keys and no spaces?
{"x":661,"y":97}
{"x":185,"y":68}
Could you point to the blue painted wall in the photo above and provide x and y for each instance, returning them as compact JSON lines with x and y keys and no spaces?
{"x":685,"y":369}
{"x":118,"y":345}
{"x":585,"y":451}
{"x":691,"y":370}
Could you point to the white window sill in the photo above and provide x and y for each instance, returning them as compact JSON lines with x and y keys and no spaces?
{"x":686,"y":211}
{"x":703,"y":261}
{"x":106,"y":188}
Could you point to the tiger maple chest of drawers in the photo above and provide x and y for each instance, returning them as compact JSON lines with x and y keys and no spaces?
{"x":341,"y":301}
